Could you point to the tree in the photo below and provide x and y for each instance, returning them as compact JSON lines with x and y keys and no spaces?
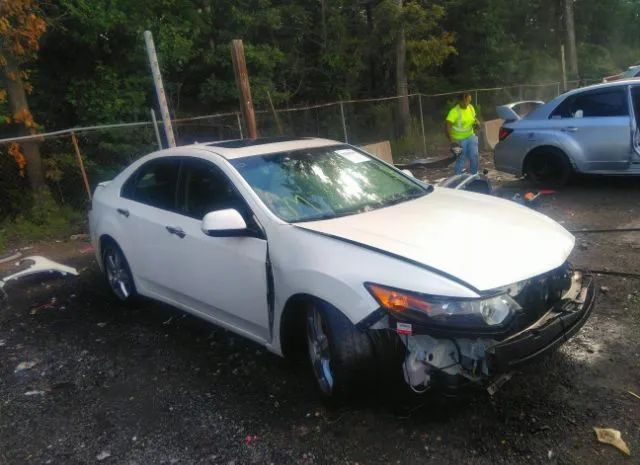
{"x":414,"y":31}
{"x":570,"y":34}
{"x":21,"y":27}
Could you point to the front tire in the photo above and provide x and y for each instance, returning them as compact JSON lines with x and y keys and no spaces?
{"x":341,"y":355}
{"x":117,"y":273}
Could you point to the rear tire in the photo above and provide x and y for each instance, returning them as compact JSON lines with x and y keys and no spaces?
{"x":548,"y":168}
{"x":341,"y":356}
{"x":117,"y":273}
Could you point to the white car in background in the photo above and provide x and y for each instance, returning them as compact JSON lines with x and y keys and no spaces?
{"x":313,"y":247}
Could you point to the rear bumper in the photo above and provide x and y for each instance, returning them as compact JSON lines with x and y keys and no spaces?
{"x":534,"y":343}
{"x":507,"y":158}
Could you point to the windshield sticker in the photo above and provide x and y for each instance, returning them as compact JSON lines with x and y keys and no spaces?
{"x":352,"y":155}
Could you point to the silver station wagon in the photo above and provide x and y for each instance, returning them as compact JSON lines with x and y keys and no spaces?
{"x":592,"y":130}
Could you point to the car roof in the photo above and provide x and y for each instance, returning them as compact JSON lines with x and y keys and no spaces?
{"x":239,"y":148}
{"x":603,"y":85}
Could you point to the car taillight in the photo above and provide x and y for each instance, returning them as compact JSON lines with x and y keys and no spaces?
{"x":504,"y":133}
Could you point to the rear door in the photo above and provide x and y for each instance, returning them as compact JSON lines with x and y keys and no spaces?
{"x":222,"y":277}
{"x":635,"y":105}
{"x":595,"y":128}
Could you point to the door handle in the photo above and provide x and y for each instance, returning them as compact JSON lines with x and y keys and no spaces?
{"x":176,"y":230}
{"x":123,"y":212}
{"x":570,"y":129}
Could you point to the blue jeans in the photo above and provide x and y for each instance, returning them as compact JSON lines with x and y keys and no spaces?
{"x":470,"y":152}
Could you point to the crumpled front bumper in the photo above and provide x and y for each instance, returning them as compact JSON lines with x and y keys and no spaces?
{"x":452,"y":360}
{"x":555,"y":328}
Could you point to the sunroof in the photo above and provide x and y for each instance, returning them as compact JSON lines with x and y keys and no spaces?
{"x":240,"y":143}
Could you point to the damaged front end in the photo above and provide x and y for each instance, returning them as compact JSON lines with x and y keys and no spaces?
{"x":454,"y":342}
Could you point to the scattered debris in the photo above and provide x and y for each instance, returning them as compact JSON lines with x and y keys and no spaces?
{"x":249,"y":439}
{"x":105,"y":454}
{"x":39,"y":265}
{"x":50,"y":304}
{"x":25,"y":366}
{"x":75,"y":237}
{"x":467,"y":182}
{"x":102,"y":324}
{"x":529,"y":198}
{"x":550,"y":454}
{"x":36,"y":265}
{"x":3,"y":342}
{"x":634,"y":394}
{"x":86,"y":250}
{"x":613,"y":437}
{"x":604,"y":289}
{"x":34,"y":393}
{"x":432,"y":162}
{"x":9,"y":256}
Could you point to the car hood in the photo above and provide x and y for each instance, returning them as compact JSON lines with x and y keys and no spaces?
{"x":484,"y":241}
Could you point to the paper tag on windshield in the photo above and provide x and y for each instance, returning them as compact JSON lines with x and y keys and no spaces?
{"x":352,"y":155}
{"x":404,"y":328}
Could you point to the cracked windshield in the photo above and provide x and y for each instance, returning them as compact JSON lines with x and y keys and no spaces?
{"x":324,"y":183}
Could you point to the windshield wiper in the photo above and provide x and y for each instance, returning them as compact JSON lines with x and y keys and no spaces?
{"x":404,"y":198}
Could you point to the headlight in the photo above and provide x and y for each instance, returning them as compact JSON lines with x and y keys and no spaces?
{"x":445,"y":311}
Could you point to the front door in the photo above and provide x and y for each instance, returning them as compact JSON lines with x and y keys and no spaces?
{"x":596,"y":126}
{"x":224,"y":277}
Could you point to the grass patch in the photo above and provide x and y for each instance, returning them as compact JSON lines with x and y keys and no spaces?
{"x":44,"y":220}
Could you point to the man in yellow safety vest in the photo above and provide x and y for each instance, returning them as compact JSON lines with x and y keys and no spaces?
{"x":460,"y":124}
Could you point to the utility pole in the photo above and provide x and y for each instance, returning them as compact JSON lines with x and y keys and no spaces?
{"x":244,"y":90}
{"x":570,"y":32}
{"x":564,"y":69}
{"x":402,"y":87}
{"x":157,"y":80}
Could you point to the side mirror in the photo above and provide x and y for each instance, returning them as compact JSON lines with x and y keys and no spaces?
{"x":408,"y":173}
{"x":224,"y":223}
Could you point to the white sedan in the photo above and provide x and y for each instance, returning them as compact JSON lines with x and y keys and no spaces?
{"x":310,"y":246}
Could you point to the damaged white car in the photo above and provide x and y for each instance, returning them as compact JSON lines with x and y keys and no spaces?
{"x":311,"y":242}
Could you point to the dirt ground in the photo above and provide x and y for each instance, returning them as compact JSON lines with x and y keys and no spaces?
{"x":150,"y":385}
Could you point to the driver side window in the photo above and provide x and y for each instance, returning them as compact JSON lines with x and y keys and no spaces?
{"x":205,"y":188}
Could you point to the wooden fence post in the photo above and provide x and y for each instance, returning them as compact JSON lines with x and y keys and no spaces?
{"x":244,"y":90}
{"x":81,"y":164}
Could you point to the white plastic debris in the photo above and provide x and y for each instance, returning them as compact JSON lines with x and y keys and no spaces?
{"x":105,"y":454}
{"x":41,"y":265}
{"x":25,"y":366}
{"x":38,"y":265}
{"x":34,"y":393}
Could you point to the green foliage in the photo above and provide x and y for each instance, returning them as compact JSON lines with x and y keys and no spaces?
{"x":92,"y":67}
{"x":109,"y":97}
{"x":44,"y":219}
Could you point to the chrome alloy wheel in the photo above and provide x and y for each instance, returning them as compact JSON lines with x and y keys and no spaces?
{"x":117,"y":273}
{"x":319,"y":354}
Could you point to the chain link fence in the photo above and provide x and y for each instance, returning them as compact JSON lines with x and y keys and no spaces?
{"x":106,"y":150}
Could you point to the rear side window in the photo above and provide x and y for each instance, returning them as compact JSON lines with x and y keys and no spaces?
{"x":205,"y":188}
{"x":594,"y":104}
{"x":154,"y":183}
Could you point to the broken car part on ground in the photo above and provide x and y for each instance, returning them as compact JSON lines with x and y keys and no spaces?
{"x":33,"y":265}
{"x":293,"y":242}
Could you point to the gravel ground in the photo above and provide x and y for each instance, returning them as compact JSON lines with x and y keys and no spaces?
{"x":150,"y":385}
